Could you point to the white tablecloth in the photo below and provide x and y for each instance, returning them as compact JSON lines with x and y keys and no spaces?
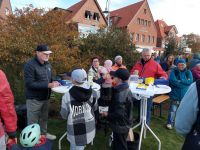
{"x":150,"y":91}
{"x":64,"y":89}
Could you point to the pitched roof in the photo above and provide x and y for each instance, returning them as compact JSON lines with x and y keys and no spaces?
{"x":168,"y":28}
{"x":126,"y":14}
{"x":163,"y":29}
{"x":160,"y":25}
{"x":76,"y":7}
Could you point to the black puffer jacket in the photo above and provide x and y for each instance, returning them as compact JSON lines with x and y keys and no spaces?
{"x":120,"y":111}
{"x":37,"y":76}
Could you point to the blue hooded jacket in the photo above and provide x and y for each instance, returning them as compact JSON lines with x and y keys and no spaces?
{"x":179,"y":82}
{"x":195,"y":60}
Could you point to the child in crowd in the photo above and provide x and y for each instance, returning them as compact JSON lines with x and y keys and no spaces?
{"x":120,"y":110}
{"x":106,"y":86}
{"x":78,"y":108}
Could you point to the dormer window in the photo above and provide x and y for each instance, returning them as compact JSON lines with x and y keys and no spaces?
{"x":88,"y":14}
{"x":96,"y":16}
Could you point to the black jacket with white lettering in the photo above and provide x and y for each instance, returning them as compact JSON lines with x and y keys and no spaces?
{"x":120,"y":113}
{"x":78,"y":108}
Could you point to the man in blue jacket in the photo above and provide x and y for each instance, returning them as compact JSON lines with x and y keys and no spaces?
{"x":38,"y":84}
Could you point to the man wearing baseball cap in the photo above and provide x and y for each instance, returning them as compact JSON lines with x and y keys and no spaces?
{"x":120,"y":110}
{"x":38,"y":84}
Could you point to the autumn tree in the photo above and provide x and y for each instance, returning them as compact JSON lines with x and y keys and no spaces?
{"x":107,"y":43}
{"x":20,"y":34}
{"x":171,"y":46}
{"x":193,"y":41}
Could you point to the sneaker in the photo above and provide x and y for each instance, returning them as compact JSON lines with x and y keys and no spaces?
{"x":169,"y":126}
{"x":50,"y":136}
{"x":110,"y":140}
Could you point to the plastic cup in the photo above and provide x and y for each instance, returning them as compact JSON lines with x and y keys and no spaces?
{"x":149,"y":81}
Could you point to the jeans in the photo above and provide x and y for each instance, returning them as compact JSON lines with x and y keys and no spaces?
{"x":37,"y":112}
{"x":172,"y":111}
{"x":149,"y":106}
{"x":75,"y":147}
{"x":2,"y":143}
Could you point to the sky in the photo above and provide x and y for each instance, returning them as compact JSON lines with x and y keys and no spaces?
{"x":184,"y":14}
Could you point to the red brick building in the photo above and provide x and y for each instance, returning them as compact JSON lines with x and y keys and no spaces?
{"x":138,"y":19}
{"x":5,"y":8}
{"x":165,"y":31}
{"x":88,"y":16}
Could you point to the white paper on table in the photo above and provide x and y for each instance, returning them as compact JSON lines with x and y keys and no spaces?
{"x":137,"y":93}
{"x":103,"y":109}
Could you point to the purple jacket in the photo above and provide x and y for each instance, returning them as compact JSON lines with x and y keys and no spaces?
{"x":196,"y":72}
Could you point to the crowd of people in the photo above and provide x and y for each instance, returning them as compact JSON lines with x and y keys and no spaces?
{"x":81,"y":109}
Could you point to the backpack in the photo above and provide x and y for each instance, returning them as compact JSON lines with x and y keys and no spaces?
{"x":192,"y":140}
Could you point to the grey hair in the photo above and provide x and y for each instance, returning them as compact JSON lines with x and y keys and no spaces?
{"x":146,"y":50}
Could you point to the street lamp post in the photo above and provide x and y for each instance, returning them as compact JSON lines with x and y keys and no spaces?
{"x":107,"y":12}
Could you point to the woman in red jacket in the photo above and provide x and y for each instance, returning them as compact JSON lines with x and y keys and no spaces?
{"x":7,"y":111}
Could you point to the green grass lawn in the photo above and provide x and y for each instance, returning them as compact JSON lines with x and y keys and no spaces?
{"x":169,"y":139}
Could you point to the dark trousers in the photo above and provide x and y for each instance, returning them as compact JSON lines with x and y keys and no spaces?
{"x":119,"y":141}
{"x":149,"y":106}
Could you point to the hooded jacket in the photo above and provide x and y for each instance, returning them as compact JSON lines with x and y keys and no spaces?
{"x":78,"y":108}
{"x":196,"y":73}
{"x":7,"y":109}
{"x":195,"y":60}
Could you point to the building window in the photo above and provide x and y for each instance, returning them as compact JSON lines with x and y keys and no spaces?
{"x":138,"y":20}
{"x":7,"y":12}
{"x":149,"y":23}
{"x":111,"y":22}
{"x":143,"y":38}
{"x":142,"y":21}
{"x":88,"y":14}
{"x":137,"y":38}
{"x":145,"y":22}
{"x":96,"y":16}
{"x":131,"y":36}
{"x":153,"y":39}
{"x":149,"y":39}
{"x":145,"y":11}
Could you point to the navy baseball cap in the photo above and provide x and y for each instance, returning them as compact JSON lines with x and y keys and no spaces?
{"x":122,"y":74}
{"x":43,"y":48}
